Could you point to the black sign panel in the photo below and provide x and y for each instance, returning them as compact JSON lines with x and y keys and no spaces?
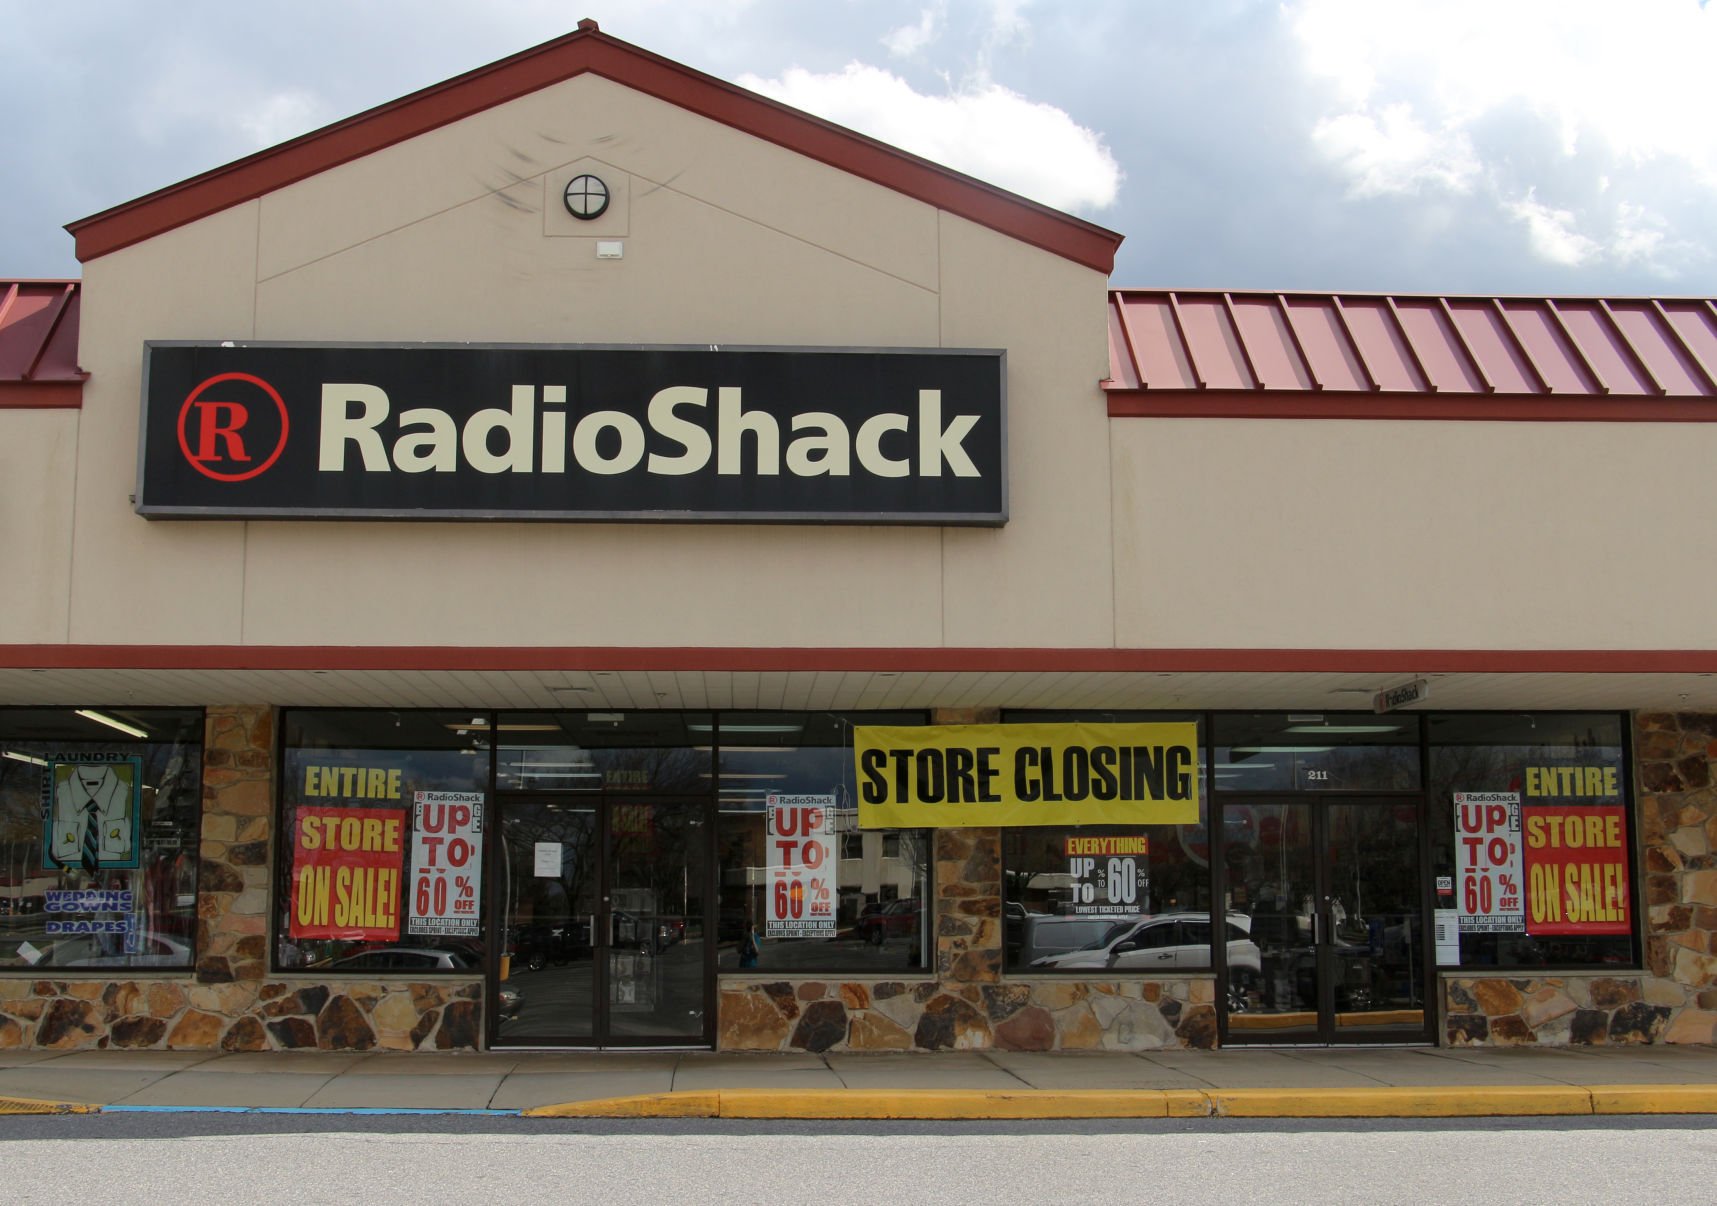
{"x":436,"y":431}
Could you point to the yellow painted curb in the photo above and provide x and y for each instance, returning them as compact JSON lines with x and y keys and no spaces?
{"x":1654,"y":1099}
{"x":946,"y":1104}
{"x":645,"y":1105}
{"x":1432,"y":1101}
{"x":28,"y":1105}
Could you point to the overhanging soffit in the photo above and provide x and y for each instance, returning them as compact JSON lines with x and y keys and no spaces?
{"x":816,"y":679}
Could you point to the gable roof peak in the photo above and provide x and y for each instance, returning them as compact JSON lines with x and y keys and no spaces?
{"x":586,"y":49}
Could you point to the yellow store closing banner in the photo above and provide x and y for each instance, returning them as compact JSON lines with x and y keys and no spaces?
{"x":1026,"y":774}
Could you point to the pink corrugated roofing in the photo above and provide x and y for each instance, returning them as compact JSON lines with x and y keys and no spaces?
{"x":1254,"y":353}
{"x":39,"y":343}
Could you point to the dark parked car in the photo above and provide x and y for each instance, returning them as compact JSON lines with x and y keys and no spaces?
{"x":892,"y":920}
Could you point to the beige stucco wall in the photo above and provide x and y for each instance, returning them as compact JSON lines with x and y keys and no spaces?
{"x":728,"y":239}
{"x":1407,"y":535}
{"x":38,"y":473}
{"x":1136,"y":533}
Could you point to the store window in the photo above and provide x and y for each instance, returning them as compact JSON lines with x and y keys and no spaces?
{"x":384,"y":816}
{"x":665,"y":753}
{"x":1070,"y":895}
{"x":1314,"y":751}
{"x":1531,"y":839}
{"x":803,"y":889}
{"x":99,"y":830}
{"x":1079,"y":899}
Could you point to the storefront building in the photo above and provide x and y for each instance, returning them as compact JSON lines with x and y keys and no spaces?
{"x":584,"y":556}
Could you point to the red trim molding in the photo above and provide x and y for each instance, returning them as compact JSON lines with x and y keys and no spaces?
{"x":1308,"y":404}
{"x":587,"y":49}
{"x":41,"y":395}
{"x":884,"y":660}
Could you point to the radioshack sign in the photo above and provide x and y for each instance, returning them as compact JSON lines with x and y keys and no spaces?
{"x":422,"y":431}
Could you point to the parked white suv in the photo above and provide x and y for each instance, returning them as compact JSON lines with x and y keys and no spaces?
{"x":1167,"y":942}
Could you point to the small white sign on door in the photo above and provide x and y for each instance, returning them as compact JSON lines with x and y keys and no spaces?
{"x":548,"y":859}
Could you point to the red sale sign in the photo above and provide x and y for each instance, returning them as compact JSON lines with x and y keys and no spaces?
{"x":346,"y":872}
{"x":1576,"y":869}
{"x":446,"y":863}
{"x":801,"y":897}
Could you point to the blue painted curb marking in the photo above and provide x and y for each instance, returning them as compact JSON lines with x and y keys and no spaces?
{"x":196,"y":1109}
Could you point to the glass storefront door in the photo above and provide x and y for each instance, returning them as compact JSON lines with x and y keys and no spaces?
{"x":1325,"y":916}
{"x":605,"y":905}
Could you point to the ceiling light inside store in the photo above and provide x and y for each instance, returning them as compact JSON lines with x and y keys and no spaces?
{"x":1279,"y":749}
{"x":17,"y":756}
{"x":482,"y":726}
{"x":1343,"y":728}
{"x":750,"y":749}
{"x":110,"y":722}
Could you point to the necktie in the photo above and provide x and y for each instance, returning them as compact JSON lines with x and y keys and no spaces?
{"x":91,"y":838}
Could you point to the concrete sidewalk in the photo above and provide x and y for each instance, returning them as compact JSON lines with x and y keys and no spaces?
{"x":1303,"y":1082}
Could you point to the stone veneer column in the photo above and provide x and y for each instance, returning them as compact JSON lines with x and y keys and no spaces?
{"x":968,"y":887}
{"x":232,"y":874}
{"x":1678,"y":838}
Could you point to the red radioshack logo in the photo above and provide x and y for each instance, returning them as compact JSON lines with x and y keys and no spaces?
{"x":226,"y":434}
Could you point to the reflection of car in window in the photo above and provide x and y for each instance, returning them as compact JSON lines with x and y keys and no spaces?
{"x":1161,"y":943}
{"x":892,"y":920}
{"x":154,"y":951}
{"x":1042,"y":935}
{"x":402,"y":958}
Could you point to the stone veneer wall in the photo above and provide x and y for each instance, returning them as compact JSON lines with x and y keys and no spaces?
{"x":968,"y":1005}
{"x":1674,"y":1000}
{"x":230,"y":1002}
{"x":938,"y":1015}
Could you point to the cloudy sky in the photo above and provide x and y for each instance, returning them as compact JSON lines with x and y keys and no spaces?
{"x":1462,"y":146}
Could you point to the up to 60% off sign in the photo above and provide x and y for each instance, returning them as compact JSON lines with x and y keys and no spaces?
{"x":446,"y":862}
{"x":1487,"y":856}
{"x":801,"y":832}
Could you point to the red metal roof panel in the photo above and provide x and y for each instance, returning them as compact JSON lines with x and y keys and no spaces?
{"x":1328,"y":350}
{"x":1220,"y":353}
{"x":39,"y":343}
{"x":1275,"y":357}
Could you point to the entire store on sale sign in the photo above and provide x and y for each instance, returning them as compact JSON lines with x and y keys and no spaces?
{"x":1542,"y":867}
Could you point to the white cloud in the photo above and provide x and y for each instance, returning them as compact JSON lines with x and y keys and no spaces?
{"x":1504,"y":102}
{"x":984,"y":130}
{"x":908,"y":40}
{"x":1552,"y":232}
{"x":1393,"y":152}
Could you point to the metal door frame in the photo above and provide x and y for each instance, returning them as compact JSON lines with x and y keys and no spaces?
{"x":1318,"y":805}
{"x":601,"y":1037}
